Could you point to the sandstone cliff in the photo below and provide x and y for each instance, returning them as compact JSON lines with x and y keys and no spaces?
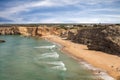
{"x":27,"y":31}
{"x":105,"y":39}
{"x":30,"y":31}
{"x":8,"y":30}
{"x":43,"y":31}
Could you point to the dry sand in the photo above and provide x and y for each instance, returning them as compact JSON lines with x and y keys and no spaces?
{"x":107,"y":62}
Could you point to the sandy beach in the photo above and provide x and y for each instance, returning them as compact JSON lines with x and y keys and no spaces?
{"x":109,"y":63}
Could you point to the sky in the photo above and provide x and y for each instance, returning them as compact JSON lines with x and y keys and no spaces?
{"x":59,"y":11}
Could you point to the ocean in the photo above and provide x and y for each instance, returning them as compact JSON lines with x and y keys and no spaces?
{"x":28,"y":58}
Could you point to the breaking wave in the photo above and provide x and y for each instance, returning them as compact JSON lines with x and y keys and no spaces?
{"x":60,"y":68}
{"x":49,"y":55}
{"x":48,"y":47}
{"x":59,"y":65}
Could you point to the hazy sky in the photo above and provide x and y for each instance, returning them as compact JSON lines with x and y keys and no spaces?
{"x":59,"y":11}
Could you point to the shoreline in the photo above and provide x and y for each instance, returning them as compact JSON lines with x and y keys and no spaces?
{"x":103,"y":71}
{"x":98,"y":73}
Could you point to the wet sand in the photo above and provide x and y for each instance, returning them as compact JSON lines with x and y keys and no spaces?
{"x":107,"y":62}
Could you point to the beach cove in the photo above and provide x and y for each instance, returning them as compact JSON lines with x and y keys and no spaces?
{"x":27,"y":58}
{"x":106,"y":64}
{"x":103,"y":63}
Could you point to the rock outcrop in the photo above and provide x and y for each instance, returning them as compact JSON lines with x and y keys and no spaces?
{"x":1,"y":41}
{"x":105,"y":39}
{"x":47,"y":31}
{"x":8,"y":30}
{"x":71,"y":35}
{"x":29,"y":31}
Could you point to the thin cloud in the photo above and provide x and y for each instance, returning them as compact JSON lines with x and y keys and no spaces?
{"x":83,"y":11}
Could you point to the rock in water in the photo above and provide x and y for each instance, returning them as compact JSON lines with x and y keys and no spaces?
{"x":2,"y":41}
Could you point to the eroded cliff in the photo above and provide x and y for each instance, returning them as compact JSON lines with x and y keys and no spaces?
{"x":30,"y":31}
{"x":105,"y":39}
{"x":9,"y":30}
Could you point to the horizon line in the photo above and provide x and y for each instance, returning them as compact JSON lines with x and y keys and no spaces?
{"x":54,"y":23}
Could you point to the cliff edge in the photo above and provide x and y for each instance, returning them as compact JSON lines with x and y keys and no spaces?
{"x":106,"y":39}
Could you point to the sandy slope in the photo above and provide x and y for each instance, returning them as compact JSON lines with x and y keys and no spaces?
{"x":107,"y":62}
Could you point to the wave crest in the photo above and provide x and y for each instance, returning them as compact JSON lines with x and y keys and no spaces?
{"x":48,"y":47}
{"x":59,"y":65}
{"x":49,"y":55}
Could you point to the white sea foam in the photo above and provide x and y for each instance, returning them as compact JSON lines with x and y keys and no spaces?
{"x":49,"y":47}
{"x":49,"y":55}
{"x":56,"y":63}
{"x":105,"y":76}
{"x":102,"y":74}
{"x":59,"y":65}
{"x":60,"y":68}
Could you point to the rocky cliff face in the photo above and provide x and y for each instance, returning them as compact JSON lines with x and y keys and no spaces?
{"x":71,"y":36}
{"x":47,"y":31}
{"x":105,"y":39}
{"x":29,"y":31}
{"x":8,"y":30}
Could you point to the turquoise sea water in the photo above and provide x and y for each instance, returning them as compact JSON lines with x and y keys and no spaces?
{"x":23,"y":58}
